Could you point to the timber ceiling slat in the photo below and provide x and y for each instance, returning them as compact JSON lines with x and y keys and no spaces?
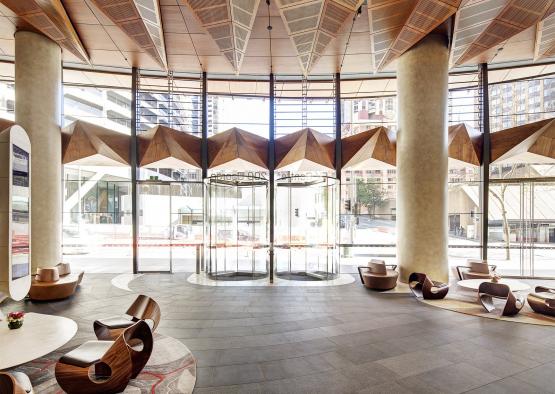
{"x":313,"y":24}
{"x":485,"y":25}
{"x":51,"y":19}
{"x":141,"y":21}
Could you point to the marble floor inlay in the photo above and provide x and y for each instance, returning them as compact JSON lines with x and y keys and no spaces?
{"x":338,"y":339}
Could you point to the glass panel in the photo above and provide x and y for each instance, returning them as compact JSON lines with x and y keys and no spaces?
{"x":544,"y":222}
{"x":97,"y":219}
{"x":154,"y":227}
{"x":237,"y":239}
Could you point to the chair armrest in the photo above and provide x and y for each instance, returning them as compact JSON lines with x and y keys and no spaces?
{"x":459,"y":267}
{"x":543,"y":289}
{"x":392,"y":266}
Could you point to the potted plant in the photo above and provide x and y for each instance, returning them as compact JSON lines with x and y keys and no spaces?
{"x":15,"y":319}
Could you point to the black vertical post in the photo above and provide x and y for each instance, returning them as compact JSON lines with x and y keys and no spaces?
{"x":204,"y":142}
{"x":486,"y":157}
{"x":134,"y":171}
{"x":271,"y":168}
{"x":338,"y":152}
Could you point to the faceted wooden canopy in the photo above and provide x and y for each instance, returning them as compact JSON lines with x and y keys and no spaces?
{"x":5,"y":123}
{"x":371,"y":148}
{"x":164,"y":147}
{"x":238,"y":150}
{"x":305,"y":150}
{"x":529,"y":143}
{"x":465,"y":144}
{"x":91,"y":145}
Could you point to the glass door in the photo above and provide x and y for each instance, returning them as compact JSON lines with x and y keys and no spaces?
{"x":154,"y":227}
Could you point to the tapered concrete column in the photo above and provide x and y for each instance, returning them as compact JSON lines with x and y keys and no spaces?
{"x":38,"y":89}
{"x":422,"y":153}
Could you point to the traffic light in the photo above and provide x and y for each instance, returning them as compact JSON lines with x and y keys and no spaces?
{"x":297,"y":212}
{"x":348,"y":205}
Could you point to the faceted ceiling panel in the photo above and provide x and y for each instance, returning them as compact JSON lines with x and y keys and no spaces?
{"x":484,"y":25}
{"x":529,"y":143}
{"x":229,"y":23}
{"x":51,"y":19}
{"x":305,"y":150}
{"x":369,"y":148}
{"x":164,"y":147}
{"x":398,"y":25}
{"x":88,"y":144}
{"x":465,"y":144}
{"x":237,"y":149}
{"x":545,"y":38}
{"x":141,"y":21}
{"x":312,"y":25}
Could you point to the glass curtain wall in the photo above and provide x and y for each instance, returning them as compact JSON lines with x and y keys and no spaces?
{"x":170,"y":199}
{"x":521,"y":223}
{"x":96,"y":222}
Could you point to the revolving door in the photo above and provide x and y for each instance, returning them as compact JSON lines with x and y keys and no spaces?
{"x":306,"y":228}
{"x":236,"y":228}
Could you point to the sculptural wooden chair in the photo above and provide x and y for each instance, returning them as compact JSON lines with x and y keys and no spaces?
{"x":423,"y":287}
{"x":15,"y":383}
{"x":487,"y":291}
{"x":54,"y":283}
{"x":143,"y":308}
{"x":114,"y":362}
{"x":542,"y":300}
{"x":378,"y":276}
{"x":476,"y":269}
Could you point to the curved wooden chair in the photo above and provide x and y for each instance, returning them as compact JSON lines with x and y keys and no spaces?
{"x":15,"y":383}
{"x":54,"y":283}
{"x":487,"y":291}
{"x":378,"y":276}
{"x":143,"y":308}
{"x":476,"y":269}
{"x":114,"y":362}
{"x":542,"y":300}
{"x":423,"y":287}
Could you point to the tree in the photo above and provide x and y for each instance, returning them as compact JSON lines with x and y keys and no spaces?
{"x":370,"y":195}
{"x":500,"y":197}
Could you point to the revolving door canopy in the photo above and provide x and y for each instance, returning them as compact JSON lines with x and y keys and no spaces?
{"x":306,"y":231}
{"x":236,"y":227}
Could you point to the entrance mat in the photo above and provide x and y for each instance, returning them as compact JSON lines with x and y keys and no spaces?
{"x":467,"y":302}
{"x":170,"y":369}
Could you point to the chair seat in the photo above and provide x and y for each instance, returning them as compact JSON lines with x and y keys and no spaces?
{"x":87,"y":354}
{"x":116,"y":322}
{"x":23,"y":381}
{"x":476,"y":275}
{"x":544,"y":295}
{"x":389,"y":274}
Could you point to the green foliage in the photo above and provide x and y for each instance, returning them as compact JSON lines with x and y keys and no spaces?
{"x":370,"y":195}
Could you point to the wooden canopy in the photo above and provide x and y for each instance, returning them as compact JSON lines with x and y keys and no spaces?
{"x":5,"y":123}
{"x":370,"y":148}
{"x":88,"y":144}
{"x":234,"y":148}
{"x":164,"y":147}
{"x":533,"y":142}
{"x":305,"y":150}
{"x":465,"y":144}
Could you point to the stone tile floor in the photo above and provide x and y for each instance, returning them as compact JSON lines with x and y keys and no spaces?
{"x":342,"y":339}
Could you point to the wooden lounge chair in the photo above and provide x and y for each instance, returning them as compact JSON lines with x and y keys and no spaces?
{"x":476,"y":269}
{"x":487,"y":291}
{"x":114,"y":362}
{"x":15,"y":383}
{"x":143,"y":308}
{"x":54,"y":283}
{"x":423,"y":287}
{"x":377,"y":276}
{"x":542,"y":300}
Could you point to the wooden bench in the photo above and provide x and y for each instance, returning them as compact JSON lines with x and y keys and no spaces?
{"x":49,"y":285}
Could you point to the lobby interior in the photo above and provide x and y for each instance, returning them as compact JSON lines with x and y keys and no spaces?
{"x":289,"y":196}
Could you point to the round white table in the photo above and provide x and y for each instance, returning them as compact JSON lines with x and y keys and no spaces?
{"x":39,"y":335}
{"x":513,"y":284}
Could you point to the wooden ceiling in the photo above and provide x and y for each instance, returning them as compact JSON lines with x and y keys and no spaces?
{"x":315,"y":37}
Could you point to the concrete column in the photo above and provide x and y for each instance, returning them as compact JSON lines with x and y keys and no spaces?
{"x":38,"y":92}
{"x":422,"y":153}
